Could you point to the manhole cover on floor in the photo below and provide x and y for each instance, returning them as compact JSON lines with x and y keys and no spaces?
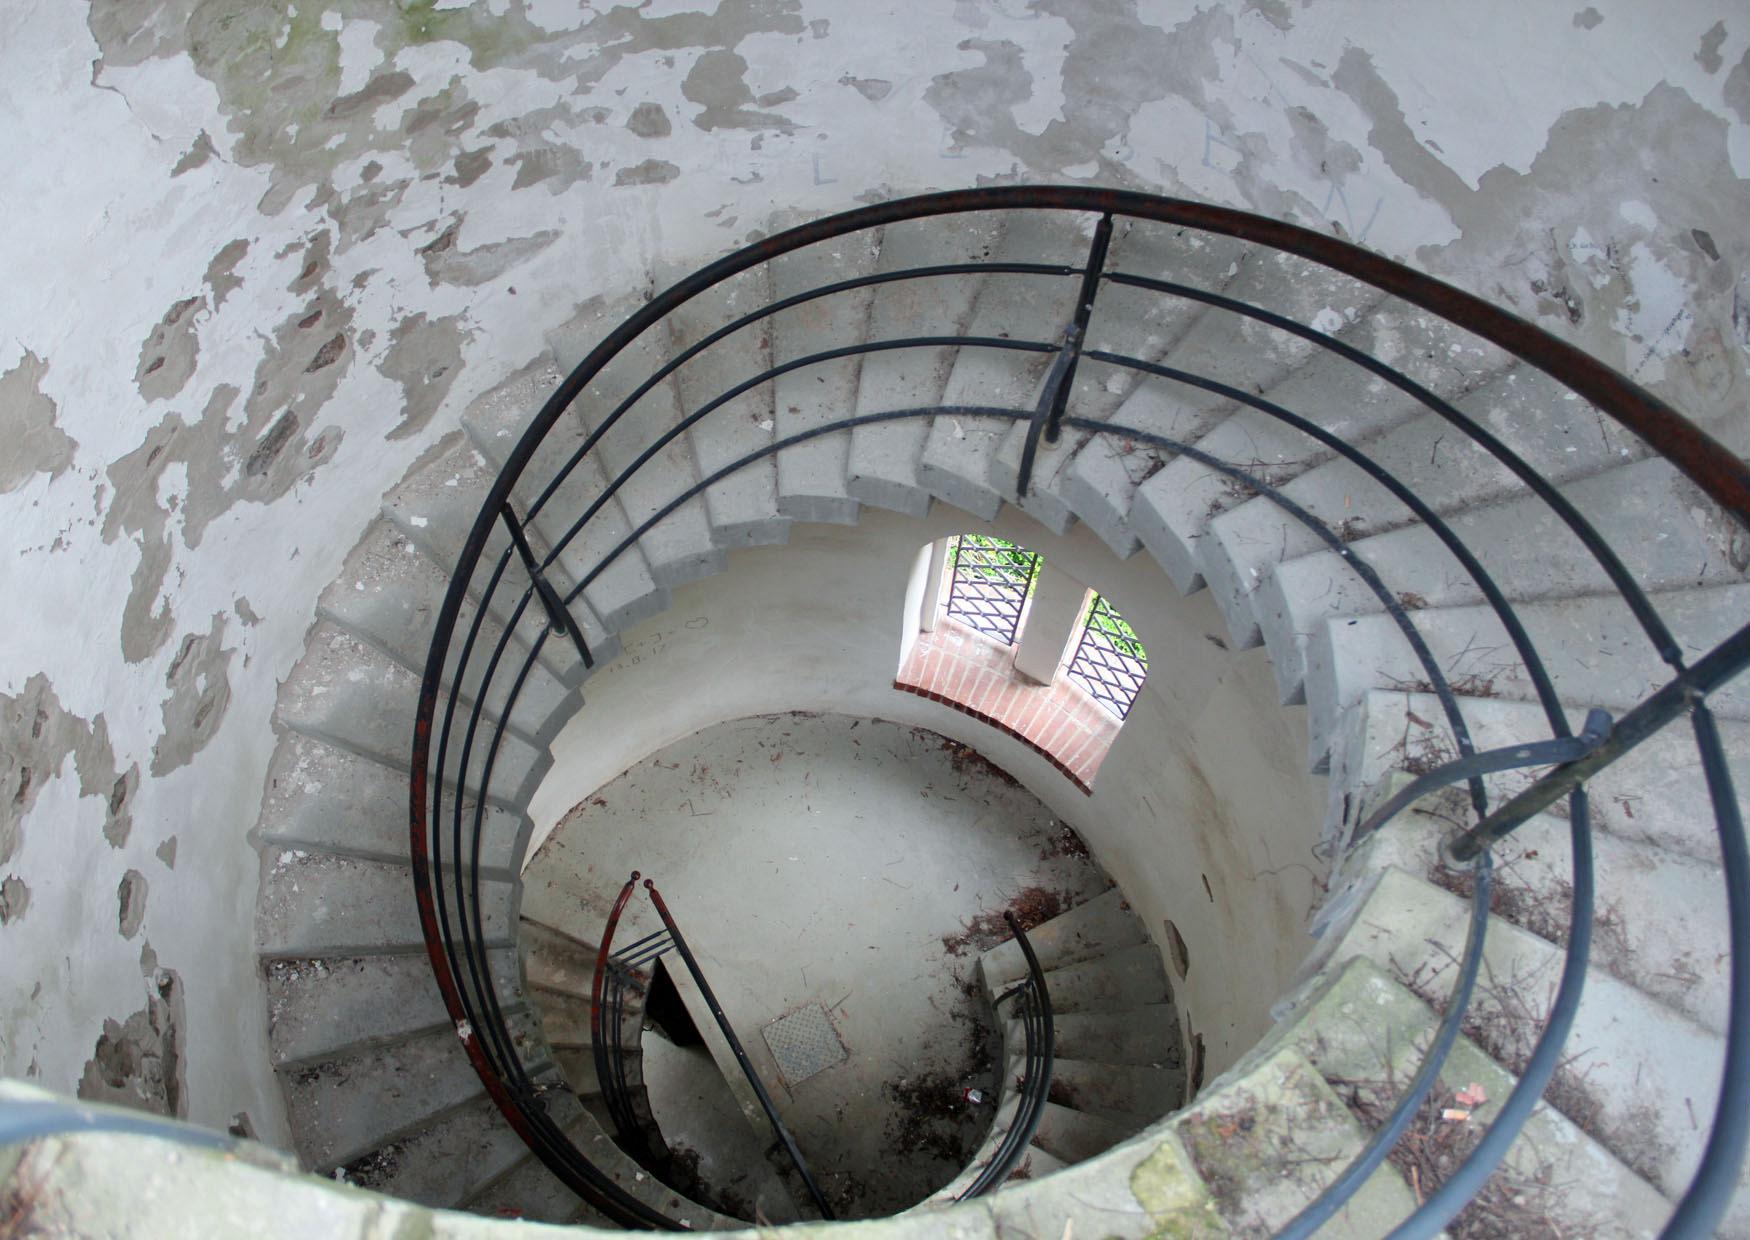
{"x":803,"y":1043}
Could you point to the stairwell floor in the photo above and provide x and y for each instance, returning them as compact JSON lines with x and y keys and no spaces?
{"x":852,"y":863}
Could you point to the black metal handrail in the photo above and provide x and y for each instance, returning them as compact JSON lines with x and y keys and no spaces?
{"x":1033,"y":1006}
{"x":456,"y":746}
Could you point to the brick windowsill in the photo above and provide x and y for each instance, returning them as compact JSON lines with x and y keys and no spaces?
{"x":963,"y":669}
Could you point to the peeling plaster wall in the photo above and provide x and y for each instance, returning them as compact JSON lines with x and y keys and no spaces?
{"x":259,"y":254}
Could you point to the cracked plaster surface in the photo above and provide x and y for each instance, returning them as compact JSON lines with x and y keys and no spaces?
{"x":260,"y":255}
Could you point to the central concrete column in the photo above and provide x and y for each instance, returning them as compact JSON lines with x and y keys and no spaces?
{"x":1057,"y":605}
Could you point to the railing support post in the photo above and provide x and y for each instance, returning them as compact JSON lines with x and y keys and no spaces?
{"x":1054,"y":399}
{"x":557,"y":616}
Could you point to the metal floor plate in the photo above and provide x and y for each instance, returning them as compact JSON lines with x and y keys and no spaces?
{"x":804,"y":1043}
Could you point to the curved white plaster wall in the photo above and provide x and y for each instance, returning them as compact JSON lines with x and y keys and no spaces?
{"x":1202,"y":811}
{"x":258,"y":257}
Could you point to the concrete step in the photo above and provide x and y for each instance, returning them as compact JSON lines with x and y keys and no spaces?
{"x":1270,"y":1135}
{"x":320,"y":1007}
{"x":344,"y":1108}
{"x":883,"y":462}
{"x":743,"y":506}
{"x":528,"y":1190}
{"x":678,"y":546}
{"x":451,"y":1156}
{"x":316,"y":904}
{"x":1224,"y":347}
{"x":1593,"y":649}
{"x":1128,"y":321}
{"x":321,"y":798}
{"x":958,"y":456}
{"x":1432,"y":456}
{"x":1122,"y":980}
{"x":1129,"y":1095}
{"x":1147,"y":1036}
{"x":554,"y":960}
{"x":1528,"y":552}
{"x":1638,"y":1070}
{"x":599,"y":1148}
{"x":620,"y":589}
{"x":812,"y":474}
{"x":1092,"y":929}
{"x":1655,"y":793}
{"x":1035,"y":1164}
{"x":435,"y":508}
{"x":348,"y":693}
{"x":389,"y":595}
{"x":1661,"y":916}
{"x":1364,"y":1032}
{"x":1073,"y":1136}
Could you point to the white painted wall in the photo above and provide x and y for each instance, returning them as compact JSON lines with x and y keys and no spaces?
{"x":446,"y":185}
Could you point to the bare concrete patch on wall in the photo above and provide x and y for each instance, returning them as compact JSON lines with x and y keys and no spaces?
{"x":130,"y":897}
{"x":138,"y":1061}
{"x":199,"y":693}
{"x":30,"y":442}
{"x":37,"y":734}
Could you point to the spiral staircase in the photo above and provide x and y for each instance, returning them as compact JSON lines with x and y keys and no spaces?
{"x":1456,"y":539}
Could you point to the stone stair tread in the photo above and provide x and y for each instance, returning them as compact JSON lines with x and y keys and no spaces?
{"x":349,"y":693}
{"x":1146,"y":1035}
{"x":1654,"y":793}
{"x":678,"y":547}
{"x":444,"y":1161}
{"x":1128,"y":321}
{"x":1270,"y":1135}
{"x":1089,"y":929}
{"x":1363,"y":1030}
{"x":621,"y":592}
{"x":883,"y":461}
{"x":346,"y":1107}
{"x":1425,"y":452}
{"x":321,"y":798}
{"x":959,"y":452}
{"x":554,"y":961}
{"x":1130,"y":1095}
{"x":317,"y":904}
{"x":528,"y":1190}
{"x":1524,"y":547}
{"x":600,"y":1149}
{"x":319,"y":1007}
{"x":1074,"y":1136}
{"x":1659,"y":919}
{"x":389,"y":595}
{"x":1104,"y":480}
{"x":743,"y":506}
{"x":1633,"y":1055}
{"x":811,"y":474}
{"x":1594,"y":651}
{"x":435,"y":507}
{"x":1117,"y":981}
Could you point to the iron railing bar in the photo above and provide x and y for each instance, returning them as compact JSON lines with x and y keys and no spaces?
{"x":635,"y":944}
{"x":1491,"y":762}
{"x":1651,"y":622}
{"x":1040,"y":1054}
{"x":1349,"y":1181}
{"x":795,"y":299}
{"x":987,"y":1175}
{"x":685,"y":424}
{"x":1467,"y":1180}
{"x":1480,"y":576}
{"x":1056,"y":384}
{"x":728,"y":1031}
{"x":498,"y":1025}
{"x":644,"y":957}
{"x":1685,"y":690}
{"x":470,"y":1012}
{"x":465,"y":879}
{"x":558,"y":617}
{"x":1090,"y":289}
{"x":1715,"y":1182}
{"x":597,"y":987}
